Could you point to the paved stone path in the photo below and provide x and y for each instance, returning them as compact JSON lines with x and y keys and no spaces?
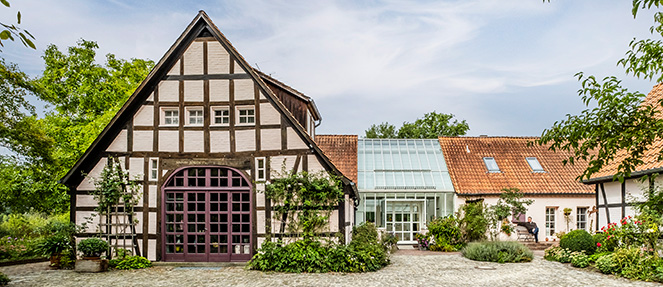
{"x":408,"y":268}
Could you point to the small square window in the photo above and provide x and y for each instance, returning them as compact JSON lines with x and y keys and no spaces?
{"x":534,"y":164}
{"x":491,"y":165}
{"x":247,"y":116}
{"x":221,"y":116}
{"x":171,"y":117}
{"x":195,"y":117}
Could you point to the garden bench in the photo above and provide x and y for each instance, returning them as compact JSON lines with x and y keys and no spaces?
{"x":523,"y":234}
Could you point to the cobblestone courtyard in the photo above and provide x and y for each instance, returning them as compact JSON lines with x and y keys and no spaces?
{"x":408,"y":268}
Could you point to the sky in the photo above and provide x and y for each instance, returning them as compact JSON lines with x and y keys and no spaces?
{"x":505,"y":66}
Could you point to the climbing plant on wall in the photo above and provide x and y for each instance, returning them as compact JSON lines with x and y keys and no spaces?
{"x":116,"y":195}
{"x":303,"y":201}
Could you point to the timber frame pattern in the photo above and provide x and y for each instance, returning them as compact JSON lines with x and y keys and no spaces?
{"x":138,"y":137}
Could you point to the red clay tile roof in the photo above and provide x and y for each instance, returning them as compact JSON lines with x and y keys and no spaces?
{"x":464,"y":158}
{"x":650,"y":157}
{"x":342,"y":151}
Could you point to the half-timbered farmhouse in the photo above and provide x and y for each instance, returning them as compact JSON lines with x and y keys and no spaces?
{"x":203,"y":133}
{"x":615,"y":199}
{"x":480,"y":167}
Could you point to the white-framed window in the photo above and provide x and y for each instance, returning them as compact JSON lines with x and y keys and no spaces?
{"x":550,"y":221}
{"x":261,"y":169}
{"x":154,"y":169}
{"x":195,"y":116}
{"x":171,"y":117}
{"x":534,"y":164}
{"x":220,"y":116}
{"x":246,"y":116}
{"x":491,"y":164}
{"x":581,"y":218}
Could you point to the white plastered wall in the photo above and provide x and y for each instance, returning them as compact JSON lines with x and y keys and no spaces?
{"x":538,"y":210}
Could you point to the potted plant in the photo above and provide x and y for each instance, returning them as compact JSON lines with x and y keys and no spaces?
{"x":92,"y":248}
{"x":54,"y":246}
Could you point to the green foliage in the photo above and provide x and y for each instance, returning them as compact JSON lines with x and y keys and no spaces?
{"x":389,"y":241}
{"x":579,"y":259}
{"x":594,"y":257}
{"x":23,"y":235}
{"x":431,"y":126}
{"x":363,"y":254}
{"x":92,"y":247}
{"x":446,"y":233}
{"x":473,"y":223}
{"x":497,"y":251}
{"x":551,"y":253}
{"x":54,"y":244}
{"x":304,"y":201}
{"x":509,"y":203}
{"x":13,"y":31}
{"x":67,"y":259}
{"x":83,"y":97}
{"x":617,"y":121}
{"x":130,"y":262}
{"x":314,"y":257}
{"x":602,"y":243}
{"x":4,"y":280}
{"x":632,"y":263}
{"x":607,"y":265}
{"x":578,"y":240}
{"x":381,"y":131}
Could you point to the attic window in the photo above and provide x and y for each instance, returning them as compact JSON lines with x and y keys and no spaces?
{"x":491,"y":165}
{"x":534,"y":164}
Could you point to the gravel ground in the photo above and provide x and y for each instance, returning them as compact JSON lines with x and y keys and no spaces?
{"x":408,"y":268}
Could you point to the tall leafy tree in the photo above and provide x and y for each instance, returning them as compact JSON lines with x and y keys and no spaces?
{"x":13,"y":31}
{"x":618,"y":120}
{"x":431,"y":126}
{"x":83,"y":97}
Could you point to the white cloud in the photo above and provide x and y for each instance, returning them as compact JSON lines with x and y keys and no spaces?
{"x":368,"y":62}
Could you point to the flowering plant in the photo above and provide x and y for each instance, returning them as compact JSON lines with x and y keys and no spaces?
{"x":423,"y":240}
{"x":640,"y":231}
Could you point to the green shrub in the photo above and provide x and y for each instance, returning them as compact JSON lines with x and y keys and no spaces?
{"x":579,"y":259}
{"x":364,"y":253}
{"x":603,"y":244}
{"x":67,"y":259}
{"x":564,"y":256}
{"x":607,"y":265}
{"x":473,"y":223}
{"x":551,"y":253}
{"x":365,"y":233}
{"x":497,"y":251}
{"x":92,"y":247}
{"x":578,"y":240}
{"x":55,"y":244}
{"x":130,"y":262}
{"x":446,"y":233}
{"x":4,"y":280}
{"x":389,"y":241}
{"x":596,"y":256}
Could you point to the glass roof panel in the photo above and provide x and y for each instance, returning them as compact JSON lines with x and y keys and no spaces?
{"x":402,"y":164}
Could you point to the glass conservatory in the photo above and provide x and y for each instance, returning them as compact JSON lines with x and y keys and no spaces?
{"x":403,"y":183}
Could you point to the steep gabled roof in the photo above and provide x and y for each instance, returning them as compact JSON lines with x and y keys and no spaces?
{"x":308,"y":100}
{"x":342,"y":151}
{"x":199,"y":24}
{"x":650,"y":164}
{"x":465,"y":161}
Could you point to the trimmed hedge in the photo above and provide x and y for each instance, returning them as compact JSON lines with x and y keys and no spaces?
{"x":578,"y":240}
{"x":497,"y":251}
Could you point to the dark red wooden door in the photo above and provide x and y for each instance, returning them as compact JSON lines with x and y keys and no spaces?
{"x":207,"y":215}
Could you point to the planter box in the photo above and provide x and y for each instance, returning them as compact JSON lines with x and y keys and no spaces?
{"x":91,"y":265}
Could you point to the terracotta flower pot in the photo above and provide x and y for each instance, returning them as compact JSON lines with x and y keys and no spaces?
{"x":55,"y":260}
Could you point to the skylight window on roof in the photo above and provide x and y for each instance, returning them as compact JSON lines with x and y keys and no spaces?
{"x":491,"y":164}
{"x":534,"y":164}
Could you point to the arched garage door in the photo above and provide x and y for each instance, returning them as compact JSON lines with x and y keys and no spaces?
{"x":206,"y":215}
